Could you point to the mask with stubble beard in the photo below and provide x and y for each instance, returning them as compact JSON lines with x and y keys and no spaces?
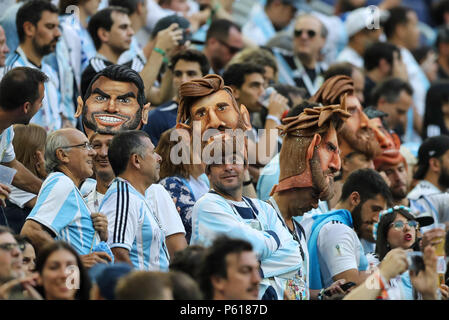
{"x":363,"y":140}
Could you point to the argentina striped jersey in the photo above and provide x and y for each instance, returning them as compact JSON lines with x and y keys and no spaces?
{"x":60,"y":208}
{"x":6,"y":147}
{"x":133,"y":225}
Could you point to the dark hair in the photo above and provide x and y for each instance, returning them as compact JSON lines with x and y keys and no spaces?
{"x":397,"y":16}
{"x":188,"y":260}
{"x":32,"y":11}
{"x":298,"y":109}
{"x":192,"y":55}
{"x":368,"y":183}
{"x":378,"y":51}
{"x":130,"y":5}
{"x":20,"y":85}
{"x":287,"y":90}
{"x":184,"y":287}
{"x":436,"y":96}
{"x":102,"y":19}
{"x":120,"y":73}
{"x":123,"y":145}
{"x":438,"y":11}
{"x":219,"y":29}
{"x":214,"y":263}
{"x":442,"y":36}
{"x":340,"y":68}
{"x":235,"y":74}
{"x":143,"y":285}
{"x":421,"y":53}
{"x":84,"y":290}
{"x":390,"y":89}
{"x":382,"y":246}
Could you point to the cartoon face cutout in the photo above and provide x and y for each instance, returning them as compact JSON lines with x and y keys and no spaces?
{"x":111,"y":107}
{"x":357,"y":134}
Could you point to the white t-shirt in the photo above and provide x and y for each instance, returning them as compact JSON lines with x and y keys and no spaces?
{"x":350,"y":55}
{"x":165,"y":209}
{"x":339,"y":250}
{"x":6,"y":148}
{"x":20,"y":197}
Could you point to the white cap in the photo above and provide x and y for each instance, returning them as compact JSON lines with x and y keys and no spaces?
{"x":366,"y":17}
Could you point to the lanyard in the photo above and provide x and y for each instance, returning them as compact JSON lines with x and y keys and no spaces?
{"x":301,"y":73}
{"x":296,"y":236}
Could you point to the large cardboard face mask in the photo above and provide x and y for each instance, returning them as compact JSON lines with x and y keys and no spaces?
{"x":111,"y":107}
{"x":357,"y":134}
{"x":217,"y":111}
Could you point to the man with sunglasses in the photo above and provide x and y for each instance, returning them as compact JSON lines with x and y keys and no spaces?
{"x":223,"y":40}
{"x":60,"y":212}
{"x":303,"y":66}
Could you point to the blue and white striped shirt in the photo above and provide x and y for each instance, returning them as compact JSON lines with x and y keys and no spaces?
{"x":61,"y":208}
{"x":6,"y":147}
{"x":49,"y":115}
{"x":133,"y":225}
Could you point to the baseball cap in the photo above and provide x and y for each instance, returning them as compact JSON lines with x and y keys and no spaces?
{"x":360,"y":18}
{"x":432,"y":147}
{"x":423,"y":218}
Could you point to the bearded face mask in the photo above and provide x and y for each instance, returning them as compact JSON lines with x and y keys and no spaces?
{"x":310,"y":153}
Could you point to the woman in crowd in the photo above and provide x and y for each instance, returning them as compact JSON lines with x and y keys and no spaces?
{"x":398,"y":228}
{"x":186,"y":183}
{"x":61,"y":273}
{"x":28,"y":255}
{"x":29,"y":145}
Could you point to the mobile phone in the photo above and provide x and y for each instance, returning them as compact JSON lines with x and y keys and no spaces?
{"x":347,"y":285}
{"x":415,"y":261}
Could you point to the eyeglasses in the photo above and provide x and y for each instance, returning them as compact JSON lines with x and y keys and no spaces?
{"x":310,"y":33}
{"x":9,"y":246}
{"x":232,"y":49}
{"x":85,"y":145}
{"x":399,"y":225}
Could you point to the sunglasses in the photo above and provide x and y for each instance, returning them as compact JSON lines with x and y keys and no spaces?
{"x":399,"y":225}
{"x":232,"y":49}
{"x":310,"y":33}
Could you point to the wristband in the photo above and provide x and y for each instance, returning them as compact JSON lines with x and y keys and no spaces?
{"x":162,"y":53}
{"x":320,"y":294}
{"x":271,"y":117}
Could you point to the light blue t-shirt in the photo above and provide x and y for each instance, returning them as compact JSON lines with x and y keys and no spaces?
{"x":133,"y":225}
{"x":256,"y":222}
{"x":60,"y":207}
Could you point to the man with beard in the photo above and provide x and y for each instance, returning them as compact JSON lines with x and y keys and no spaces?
{"x":224,"y":210}
{"x":114,"y":101}
{"x":38,"y":31}
{"x":433,"y":171}
{"x":334,"y":243}
{"x":308,"y":159}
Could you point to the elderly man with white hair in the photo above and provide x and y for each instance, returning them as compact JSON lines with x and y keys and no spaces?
{"x":60,"y":212}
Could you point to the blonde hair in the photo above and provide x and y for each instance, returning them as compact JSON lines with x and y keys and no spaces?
{"x":27,"y":140}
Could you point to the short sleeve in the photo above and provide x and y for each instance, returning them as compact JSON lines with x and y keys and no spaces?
{"x":337,"y":246}
{"x":57,"y":204}
{"x":7,"y":148}
{"x":165,"y":210}
{"x":123,"y":217}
